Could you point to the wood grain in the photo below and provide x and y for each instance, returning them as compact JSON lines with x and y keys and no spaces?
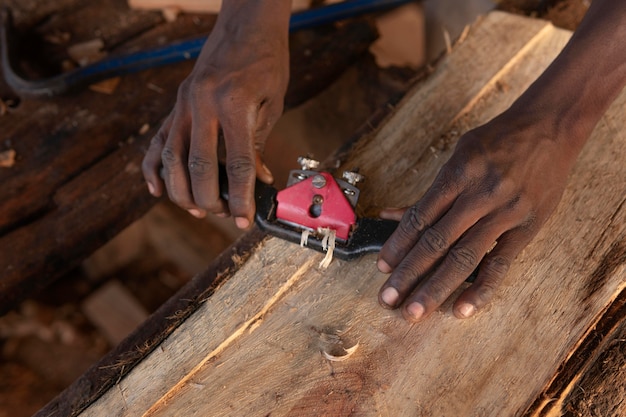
{"x":255,"y":346}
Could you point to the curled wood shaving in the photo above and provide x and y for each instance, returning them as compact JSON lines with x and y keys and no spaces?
{"x":304,"y":239}
{"x":341,"y":357}
{"x":328,"y":244}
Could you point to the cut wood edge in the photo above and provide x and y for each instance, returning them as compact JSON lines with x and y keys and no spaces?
{"x":247,"y":326}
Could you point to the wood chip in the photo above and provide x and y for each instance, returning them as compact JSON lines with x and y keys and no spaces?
{"x":85,"y":53}
{"x":304,"y":238}
{"x":106,"y":86}
{"x":7,"y":158}
{"x":328,"y":244}
{"x":144,"y":129}
{"x":170,"y":14}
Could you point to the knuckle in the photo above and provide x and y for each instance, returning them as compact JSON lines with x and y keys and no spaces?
{"x":158,"y":140}
{"x":200,"y":168}
{"x":405,"y":275}
{"x":463,"y":259}
{"x":436,"y":291}
{"x":240,"y":169}
{"x":484,"y":292}
{"x":495,"y":266}
{"x":414,"y":221}
{"x":433,"y":242}
{"x":169,"y":157}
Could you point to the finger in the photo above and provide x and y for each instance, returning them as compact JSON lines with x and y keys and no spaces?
{"x":174,"y":159}
{"x":413,"y":223}
{"x":203,"y":165}
{"x":241,"y":157}
{"x":492,"y":271}
{"x":151,"y":164}
{"x":437,"y":201}
{"x":262,"y":171}
{"x":432,"y":247}
{"x":393,"y":213}
{"x":268,"y":114}
{"x":459,"y":262}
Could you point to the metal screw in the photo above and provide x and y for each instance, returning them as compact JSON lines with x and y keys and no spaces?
{"x":353,"y":177}
{"x":308,"y":163}
{"x":319,"y":181}
{"x":318,"y":199}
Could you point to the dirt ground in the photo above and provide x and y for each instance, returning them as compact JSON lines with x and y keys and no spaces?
{"x":49,"y":341}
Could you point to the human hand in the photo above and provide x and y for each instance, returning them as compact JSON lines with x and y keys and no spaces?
{"x":500,"y":185}
{"x":237,"y":89}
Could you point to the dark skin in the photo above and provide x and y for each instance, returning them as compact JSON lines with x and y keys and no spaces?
{"x":501,"y":184}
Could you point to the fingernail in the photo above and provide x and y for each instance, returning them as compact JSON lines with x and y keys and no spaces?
{"x":151,"y":189}
{"x":383,"y":267}
{"x":222,"y":215}
{"x":242,"y":222}
{"x":196,"y":213}
{"x":466,"y":310}
{"x":268,"y":173}
{"x":415,"y":310}
{"x":390,"y":296}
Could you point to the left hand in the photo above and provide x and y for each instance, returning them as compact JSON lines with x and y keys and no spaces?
{"x":500,"y":185}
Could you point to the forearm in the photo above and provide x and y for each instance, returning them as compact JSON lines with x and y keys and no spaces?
{"x":575,"y":91}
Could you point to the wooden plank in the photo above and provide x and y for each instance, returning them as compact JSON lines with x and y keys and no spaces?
{"x":114,"y":310}
{"x":271,"y":319}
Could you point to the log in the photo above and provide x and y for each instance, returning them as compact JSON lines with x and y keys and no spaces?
{"x":261,"y":337}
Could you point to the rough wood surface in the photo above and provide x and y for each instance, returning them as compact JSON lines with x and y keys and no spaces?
{"x":255,"y":347}
{"x":592,"y":381}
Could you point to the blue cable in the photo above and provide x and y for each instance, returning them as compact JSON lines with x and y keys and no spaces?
{"x":170,"y":54}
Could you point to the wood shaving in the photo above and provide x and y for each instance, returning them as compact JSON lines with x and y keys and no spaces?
{"x":328,"y":244}
{"x":304,"y":238}
{"x":7,"y":158}
{"x":106,"y":86}
{"x":341,"y":357}
{"x":170,"y":14}
{"x":493,"y":245}
{"x":85,"y":53}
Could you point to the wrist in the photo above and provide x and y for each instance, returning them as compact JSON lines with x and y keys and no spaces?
{"x":265,"y":16}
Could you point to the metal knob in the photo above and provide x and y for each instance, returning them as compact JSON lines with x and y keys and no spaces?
{"x":352,"y":177}
{"x":308,"y":164}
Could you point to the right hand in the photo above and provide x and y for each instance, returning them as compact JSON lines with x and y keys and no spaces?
{"x":236,"y":88}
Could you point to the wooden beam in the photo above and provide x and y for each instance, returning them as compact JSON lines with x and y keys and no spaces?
{"x":256,"y":345}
